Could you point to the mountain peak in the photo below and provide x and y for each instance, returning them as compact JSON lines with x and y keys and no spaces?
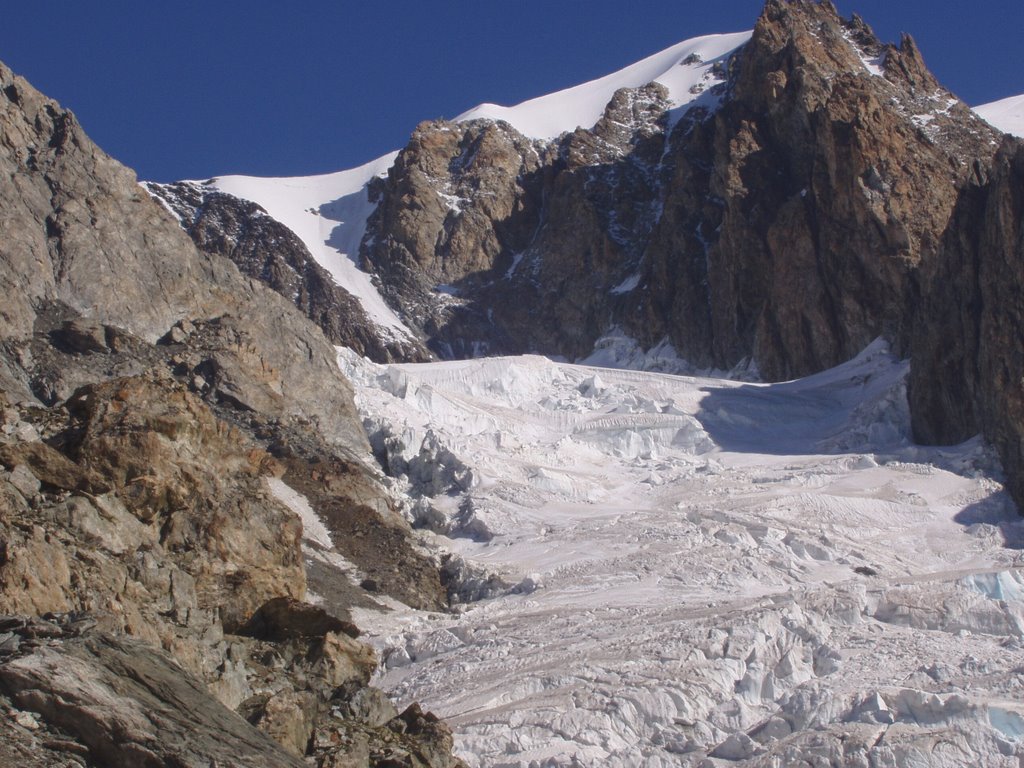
{"x":687,"y":69}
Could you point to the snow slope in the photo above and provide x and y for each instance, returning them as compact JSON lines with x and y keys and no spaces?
{"x":686,"y":69}
{"x":328,"y":213}
{"x":1007,"y":114}
{"x":764,"y":574}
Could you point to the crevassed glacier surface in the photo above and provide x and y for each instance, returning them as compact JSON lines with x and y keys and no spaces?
{"x":697,"y":572}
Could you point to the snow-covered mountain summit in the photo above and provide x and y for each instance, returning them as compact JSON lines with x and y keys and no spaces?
{"x":686,"y":69}
{"x":328,"y":213}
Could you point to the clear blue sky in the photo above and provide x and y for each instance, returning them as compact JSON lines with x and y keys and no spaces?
{"x":192,"y":89}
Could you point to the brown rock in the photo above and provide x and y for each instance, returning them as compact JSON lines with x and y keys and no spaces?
{"x":288,"y":718}
{"x":50,"y":467}
{"x":80,"y":337}
{"x":339,"y":660}
{"x":35,"y":576}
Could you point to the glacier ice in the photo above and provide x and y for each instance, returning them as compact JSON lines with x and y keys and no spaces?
{"x":709,"y":573}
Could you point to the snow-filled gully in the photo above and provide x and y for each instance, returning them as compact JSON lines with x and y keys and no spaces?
{"x":700,"y":572}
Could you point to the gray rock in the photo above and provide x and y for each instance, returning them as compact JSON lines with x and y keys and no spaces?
{"x":371,"y":706}
{"x":132,"y":705}
{"x":21,"y":477}
{"x":80,"y":337}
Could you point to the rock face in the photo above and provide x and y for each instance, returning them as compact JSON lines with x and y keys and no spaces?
{"x":834,"y":185}
{"x":491,"y":243}
{"x":81,"y":238}
{"x":56,"y":670}
{"x":786,"y":226}
{"x":158,"y":412}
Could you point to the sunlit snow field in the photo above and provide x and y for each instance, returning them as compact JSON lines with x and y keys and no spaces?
{"x":703,"y":565}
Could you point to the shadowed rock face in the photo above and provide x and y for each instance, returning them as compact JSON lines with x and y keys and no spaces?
{"x":151,"y":401}
{"x":968,"y":357}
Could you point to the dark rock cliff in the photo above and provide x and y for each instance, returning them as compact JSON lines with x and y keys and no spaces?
{"x":832,"y":186}
{"x":154,"y":403}
{"x":967,"y":372}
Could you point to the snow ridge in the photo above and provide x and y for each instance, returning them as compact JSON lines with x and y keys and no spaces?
{"x":683,"y":69}
{"x":328,"y":213}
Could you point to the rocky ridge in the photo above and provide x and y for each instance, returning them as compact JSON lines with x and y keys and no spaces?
{"x":161,"y":414}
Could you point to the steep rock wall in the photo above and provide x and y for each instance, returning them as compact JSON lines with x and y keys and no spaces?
{"x":786,"y":224}
{"x":967,"y":353}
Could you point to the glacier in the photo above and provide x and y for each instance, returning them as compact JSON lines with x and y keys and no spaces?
{"x":704,"y":572}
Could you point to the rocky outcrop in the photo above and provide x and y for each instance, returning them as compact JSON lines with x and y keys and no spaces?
{"x":118,"y":701}
{"x":786,"y":225}
{"x":78,"y":696}
{"x":264,"y":249}
{"x":60,"y":208}
{"x":83,"y":239}
{"x":158,"y":411}
{"x":489,"y":242}
{"x":837,"y":164}
{"x":133,"y":511}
